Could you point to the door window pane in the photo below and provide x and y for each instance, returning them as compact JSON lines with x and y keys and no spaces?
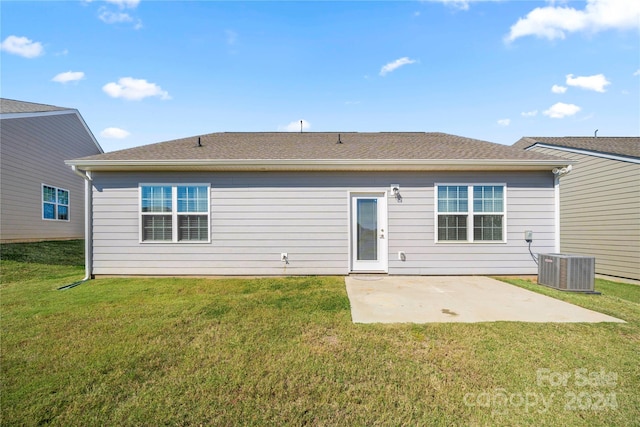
{"x":367,"y":223}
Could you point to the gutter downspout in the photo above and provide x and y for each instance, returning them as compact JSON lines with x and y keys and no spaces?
{"x":88,"y":241}
{"x":557,"y":174}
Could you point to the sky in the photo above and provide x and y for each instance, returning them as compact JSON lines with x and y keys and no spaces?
{"x":143,"y":71}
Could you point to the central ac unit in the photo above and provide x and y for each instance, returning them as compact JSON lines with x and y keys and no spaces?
{"x":567,"y":272}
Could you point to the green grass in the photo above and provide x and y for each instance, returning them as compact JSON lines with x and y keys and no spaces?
{"x":283,"y":351}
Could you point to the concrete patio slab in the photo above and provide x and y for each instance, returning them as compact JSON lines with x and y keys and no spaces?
{"x":464,"y":299}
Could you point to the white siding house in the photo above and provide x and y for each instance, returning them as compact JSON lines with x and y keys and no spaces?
{"x":302,"y":204}
{"x":599,"y":199}
{"x":40,"y":197}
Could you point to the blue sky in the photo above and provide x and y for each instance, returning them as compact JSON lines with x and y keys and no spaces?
{"x":148,"y":71}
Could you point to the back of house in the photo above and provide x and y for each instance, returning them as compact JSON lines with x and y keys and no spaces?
{"x":320,"y":204}
{"x":599,"y":199}
{"x":40,"y":197}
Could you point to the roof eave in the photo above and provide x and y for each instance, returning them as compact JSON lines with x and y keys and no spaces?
{"x":316,"y":165}
{"x":586,"y":151}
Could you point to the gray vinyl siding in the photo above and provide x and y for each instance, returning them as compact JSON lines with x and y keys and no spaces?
{"x":33,"y":151}
{"x":600,"y":212}
{"x":257,"y":216}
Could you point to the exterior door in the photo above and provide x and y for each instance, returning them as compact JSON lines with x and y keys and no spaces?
{"x":369,"y":232}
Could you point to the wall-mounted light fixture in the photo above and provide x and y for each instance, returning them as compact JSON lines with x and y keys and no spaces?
{"x":395,"y":190}
{"x":559,"y":172}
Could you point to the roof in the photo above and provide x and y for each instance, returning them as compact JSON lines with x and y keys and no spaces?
{"x":318,"y":151}
{"x":11,"y":106}
{"x":622,"y":146}
{"x":12,"y":109}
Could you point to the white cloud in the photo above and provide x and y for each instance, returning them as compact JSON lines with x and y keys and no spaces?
{"x":504,"y":122}
{"x":295,"y":126}
{"x":561,"y":110}
{"x":130,"y":4}
{"x":109,"y":17}
{"x":232,"y":37}
{"x":134,"y":89}
{"x":69,"y":76}
{"x":596,"y":82}
{"x":456,"y":4}
{"x":529,"y":113}
{"x":392,"y":66}
{"x":22,"y":46}
{"x":558,"y":89}
{"x":637,"y":73}
{"x":114,"y":133}
{"x":553,"y":22}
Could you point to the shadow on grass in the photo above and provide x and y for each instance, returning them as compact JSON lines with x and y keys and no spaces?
{"x":55,"y":252}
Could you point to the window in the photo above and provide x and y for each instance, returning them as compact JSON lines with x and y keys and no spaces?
{"x":455,"y":215}
{"x":452,"y":201}
{"x":174,"y":213}
{"x":55,"y":203}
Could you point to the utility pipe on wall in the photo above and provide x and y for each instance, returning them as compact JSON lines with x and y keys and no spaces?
{"x":557,"y":174}
{"x":88,"y":242}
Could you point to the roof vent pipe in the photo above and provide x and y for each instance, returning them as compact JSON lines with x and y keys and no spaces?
{"x":199,"y":143}
{"x":339,"y":141}
{"x":595,"y":134}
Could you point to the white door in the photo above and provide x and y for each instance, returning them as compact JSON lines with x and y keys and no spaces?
{"x":369,"y":232}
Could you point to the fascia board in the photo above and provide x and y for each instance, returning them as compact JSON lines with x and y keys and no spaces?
{"x":319,"y":164}
{"x":586,"y":152}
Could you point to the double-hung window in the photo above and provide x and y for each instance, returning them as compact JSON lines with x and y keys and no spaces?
{"x":55,"y":203}
{"x":174,"y":213}
{"x":470,"y":213}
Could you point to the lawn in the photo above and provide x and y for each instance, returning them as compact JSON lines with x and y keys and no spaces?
{"x":283,"y":351}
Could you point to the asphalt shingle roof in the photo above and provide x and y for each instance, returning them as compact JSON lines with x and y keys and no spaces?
{"x":624,"y":146}
{"x":322,"y":145}
{"x":8,"y":106}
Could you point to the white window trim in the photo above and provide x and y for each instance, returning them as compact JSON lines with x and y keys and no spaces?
{"x":68,"y":205}
{"x":174,"y":214}
{"x":470,"y":213}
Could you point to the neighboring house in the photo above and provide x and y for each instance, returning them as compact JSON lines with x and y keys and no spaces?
{"x":599,"y":199}
{"x":320,"y":203}
{"x":40,"y":197}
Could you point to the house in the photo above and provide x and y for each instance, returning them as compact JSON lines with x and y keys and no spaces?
{"x":599,"y":199}
{"x":40,"y":197}
{"x":320,"y":204}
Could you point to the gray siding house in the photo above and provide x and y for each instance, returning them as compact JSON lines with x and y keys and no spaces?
{"x":599,"y":199}
{"x":320,"y":204}
{"x":40,"y":197}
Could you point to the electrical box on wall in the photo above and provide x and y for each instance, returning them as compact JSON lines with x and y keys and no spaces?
{"x":528,"y":236}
